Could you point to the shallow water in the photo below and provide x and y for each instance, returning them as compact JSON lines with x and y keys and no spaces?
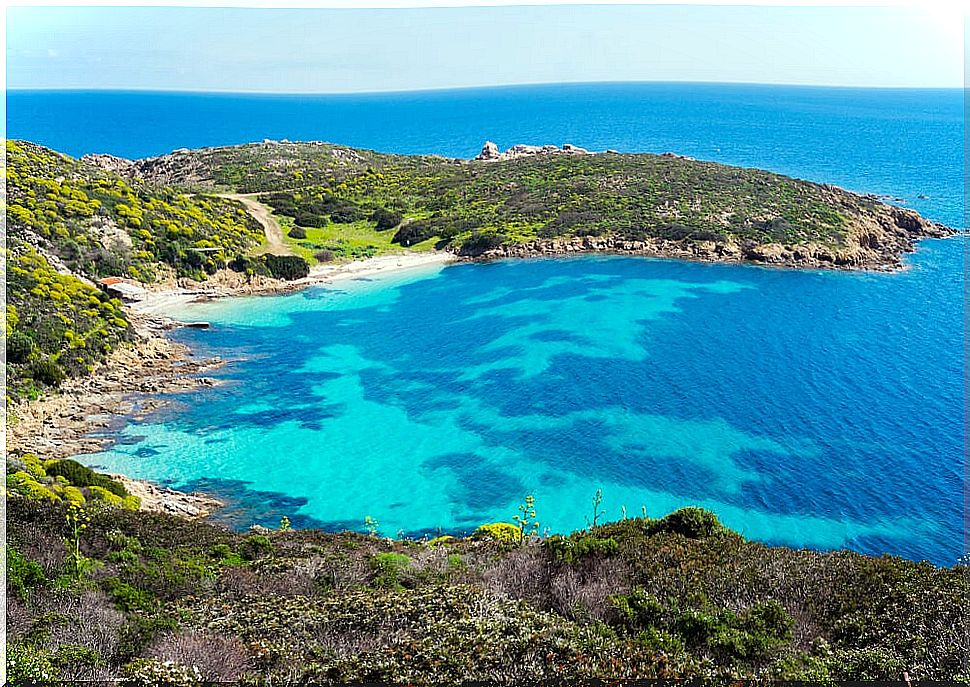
{"x":806,"y":408}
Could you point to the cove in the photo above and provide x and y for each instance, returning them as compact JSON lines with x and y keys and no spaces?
{"x":814,"y":409}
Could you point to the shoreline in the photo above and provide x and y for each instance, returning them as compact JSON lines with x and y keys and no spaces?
{"x":805,"y":257}
{"x":157,"y":302}
{"x":130,"y":384}
{"x":162,"y":298}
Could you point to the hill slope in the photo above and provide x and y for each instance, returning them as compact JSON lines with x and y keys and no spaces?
{"x":551,"y":200}
{"x":70,"y":222}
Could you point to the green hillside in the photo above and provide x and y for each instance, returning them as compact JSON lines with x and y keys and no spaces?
{"x":657,"y":204}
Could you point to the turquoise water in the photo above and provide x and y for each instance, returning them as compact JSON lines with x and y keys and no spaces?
{"x":811,"y":409}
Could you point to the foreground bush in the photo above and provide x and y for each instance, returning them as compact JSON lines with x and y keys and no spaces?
{"x":188,"y":602}
{"x":64,"y":480}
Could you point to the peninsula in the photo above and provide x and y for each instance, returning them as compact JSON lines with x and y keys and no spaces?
{"x":541,"y":200}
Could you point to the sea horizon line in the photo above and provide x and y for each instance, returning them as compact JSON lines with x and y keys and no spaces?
{"x":481,"y":87}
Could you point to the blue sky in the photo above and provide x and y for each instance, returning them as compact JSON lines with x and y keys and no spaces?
{"x":330,"y":50}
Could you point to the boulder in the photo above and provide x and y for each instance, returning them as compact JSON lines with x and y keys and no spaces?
{"x":489,"y":152}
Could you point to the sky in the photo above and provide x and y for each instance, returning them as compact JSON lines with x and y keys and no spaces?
{"x":357,"y":50}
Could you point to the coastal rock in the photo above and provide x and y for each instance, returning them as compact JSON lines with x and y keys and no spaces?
{"x":489,"y":152}
{"x":58,"y":425}
{"x":765,"y":252}
{"x":158,"y":499}
{"x":675,"y":156}
{"x":855,"y":254}
{"x":346,"y":156}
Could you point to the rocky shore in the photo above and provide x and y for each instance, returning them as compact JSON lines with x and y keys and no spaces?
{"x":877,"y":245}
{"x":158,"y":499}
{"x":131,"y":383}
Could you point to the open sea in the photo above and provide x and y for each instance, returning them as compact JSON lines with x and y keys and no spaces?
{"x":812,"y":409}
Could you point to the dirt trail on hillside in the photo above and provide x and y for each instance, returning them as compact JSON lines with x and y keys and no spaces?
{"x":263,"y":215}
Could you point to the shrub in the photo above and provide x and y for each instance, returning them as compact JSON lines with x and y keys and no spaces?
{"x":866,"y":664}
{"x":218,"y":659}
{"x":297,"y":232}
{"x":750,"y":635}
{"x":23,"y":483}
{"x":288,"y":267}
{"x":140,"y":631}
{"x":691,"y":522}
{"x":255,"y":546}
{"x":149,"y":672}
{"x":325,"y":255}
{"x":584,"y":591}
{"x":27,"y":665}
{"x":502,"y":532}
{"x":389,"y":568}
{"x":414,"y":232}
{"x":48,"y":372}
{"x":639,"y":609}
{"x":481,"y":241}
{"x":128,"y":597}
{"x":568,"y":550}
{"x":98,"y":493}
{"x":82,"y":476}
{"x":22,"y":574}
{"x":386,"y":219}
{"x":345,"y":213}
{"x":565,"y":221}
{"x":246,"y":265}
{"x":73,"y":655}
{"x":308,"y":219}
{"x":20,"y":347}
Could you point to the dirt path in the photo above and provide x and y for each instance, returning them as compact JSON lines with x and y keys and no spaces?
{"x":274,"y":233}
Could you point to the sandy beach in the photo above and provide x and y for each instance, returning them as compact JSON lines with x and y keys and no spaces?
{"x":159,"y":301}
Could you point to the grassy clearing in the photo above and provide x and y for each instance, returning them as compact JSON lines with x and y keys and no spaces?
{"x":353,"y":241}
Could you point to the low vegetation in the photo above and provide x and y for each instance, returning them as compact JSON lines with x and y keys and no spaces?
{"x":68,"y":481}
{"x":146,"y":598}
{"x":57,"y":325}
{"x":98,"y":223}
{"x":474,"y":206}
{"x":542,"y":197}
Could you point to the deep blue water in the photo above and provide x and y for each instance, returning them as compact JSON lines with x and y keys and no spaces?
{"x":812,"y":409}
